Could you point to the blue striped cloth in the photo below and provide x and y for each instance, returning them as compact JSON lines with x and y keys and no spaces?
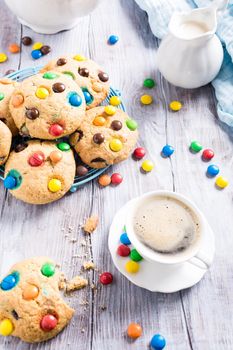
{"x":159,"y":14}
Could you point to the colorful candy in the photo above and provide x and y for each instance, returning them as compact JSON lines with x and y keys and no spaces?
{"x":134,"y":330}
{"x":58,"y":88}
{"x":106,"y":278}
{"x":17,"y":100}
{"x":75,"y":100}
{"x":6,"y":327}
{"x":14,"y":48}
{"x":110,"y":110}
{"x":99,"y":121}
{"x":26,"y":40}
{"x":167,"y":151}
{"x":149,"y":83}
{"x":124,"y":239}
{"x":37,"y":46}
{"x":135,"y":256}
{"x":48,"y":322}
{"x":79,"y":58}
{"x":36,"y":54}
{"x":131,"y":124}
{"x":115,"y":145}
{"x":54,"y":185}
{"x":115,"y":100}
{"x":56,"y":130}
{"x":55,"y":156}
{"x":30,"y":292}
{"x":36,"y":159}
{"x":212,"y":170}
{"x":116,"y":179}
{"x":116,"y":125}
{"x":3,"y":57}
{"x":88,"y":97}
{"x":139,"y":152}
{"x":98,"y":138}
{"x":48,"y":269}
{"x":195,"y":146}
{"x":113,"y":39}
{"x":63,"y":146}
{"x":97,"y":87}
{"x":221,"y":182}
{"x":146,"y":99}
{"x":103,"y":77}
{"x":147,"y":165}
{"x":10,"y":182}
{"x":175,"y":106}
{"x":207,"y":154}
{"x":132,"y":266}
{"x":104,"y":180}
{"x":32,"y":113}
{"x":45,"y":49}
{"x":10,"y":281}
{"x":1,"y":96}
{"x":157,"y":342}
{"x":81,"y":170}
{"x":123,"y":250}
{"x":42,"y":92}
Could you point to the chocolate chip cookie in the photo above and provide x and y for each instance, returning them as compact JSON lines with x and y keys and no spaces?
{"x":106,"y":136}
{"x":92,"y":79}
{"x":7,"y":87}
{"x":5,"y":142}
{"x":47,"y":106}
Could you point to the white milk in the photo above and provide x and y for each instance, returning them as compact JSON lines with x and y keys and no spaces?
{"x":191,"y":29}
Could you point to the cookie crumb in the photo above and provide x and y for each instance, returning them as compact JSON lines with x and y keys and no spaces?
{"x":88,"y":265}
{"x":62,"y":282}
{"x":91,"y":224}
{"x":76,"y":283}
{"x":103,"y":307}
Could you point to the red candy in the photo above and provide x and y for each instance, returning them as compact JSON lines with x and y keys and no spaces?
{"x":139,"y":152}
{"x":36,"y":159}
{"x":207,"y":154}
{"x":123,"y":250}
{"x":56,"y":130}
{"x":116,"y":179}
{"x":106,"y":278}
{"x":48,"y":323}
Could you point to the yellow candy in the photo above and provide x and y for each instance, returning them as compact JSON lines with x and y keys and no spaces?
{"x":6,"y":327}
{"x":146,"y":99}
{"x":175,"y":106}
{"x":115,"y":145}
{"x":115,"y":101}
{"x":147,"y":165}
{"x":54,"y":185}
{"x":42,"y":93}
{"x":37,"y":46}
{"x":3,"y":57}
{"x":110,"y":110}
{"x":221,"y":182}
{"x":79,"y":58}
{"x":132,"y":266}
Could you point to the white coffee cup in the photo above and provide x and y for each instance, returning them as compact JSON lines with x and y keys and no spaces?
{"x":193,"y":254}
{"x":51,"y":16}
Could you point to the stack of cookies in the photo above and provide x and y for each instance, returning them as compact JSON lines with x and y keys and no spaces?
{"x":51,"y":111}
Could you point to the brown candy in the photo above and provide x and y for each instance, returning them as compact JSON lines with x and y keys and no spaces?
{"x":45,"y":49}
{"x":61,"y":61}
{"x":84,"y":72}
{"x":98,"y":138}
{"x":58,"y":87}
{"x":26,"y":40}
{"x":116,"y":125}
{"x":32,"y":113}
{"x":103,"y":76}
{"x":81,"y":170}
{"x":20,"y":147}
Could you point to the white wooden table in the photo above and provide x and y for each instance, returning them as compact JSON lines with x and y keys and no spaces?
{"x":199,"y":318}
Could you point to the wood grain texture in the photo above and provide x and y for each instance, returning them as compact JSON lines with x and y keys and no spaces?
{"x":196,"y":319}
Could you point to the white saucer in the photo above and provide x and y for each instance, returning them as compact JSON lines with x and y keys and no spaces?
{"x":153,"y":276}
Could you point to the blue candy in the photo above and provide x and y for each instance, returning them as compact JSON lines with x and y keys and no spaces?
{"x":36,"y":54}
{"x":158,"y":342}
{"x":212,"y":170}
{"x":10,"y":281}
{"x":88,"y":97}
{"x":113,"y":39}
{"x":167,"y":151}
{"x":125,"y":239}
{"x":10,"y":182}
{"x":75,"y":100}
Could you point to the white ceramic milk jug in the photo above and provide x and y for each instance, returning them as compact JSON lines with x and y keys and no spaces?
{"x":191,"y":54}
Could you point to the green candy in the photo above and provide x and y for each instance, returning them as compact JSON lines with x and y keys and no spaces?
{"x":48,"y":270}
{"x":131,"y":124}
{"x":1,"y":96}
{"x":69,"y":74}
{"x":63,"y":146}
{"x":50,"y":75}
{"x":149,"y":83}
{"x":135,"y":256}
{"x":195,"y":146}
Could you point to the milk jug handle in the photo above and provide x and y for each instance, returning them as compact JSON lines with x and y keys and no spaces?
{"x":220,"y":5}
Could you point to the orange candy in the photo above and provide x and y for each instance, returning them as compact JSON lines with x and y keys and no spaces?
{"x":99,"y":121}
{"x":17,"y":100}
{"x":14,"y":48}
{"x":134,"y":330}
{"x":30,"y":292}
{"x":55,"y":156}
{"x":104,"y":180}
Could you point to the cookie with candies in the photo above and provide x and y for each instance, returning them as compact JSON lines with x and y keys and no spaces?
{"x":40,"y":172}
{"x":5,"y":142}
{"x":7,"y":87}
{"x":106,"y":136}
{"x":31,"y":306}
{"x":92,"y":79}
{"x":47,"y":106}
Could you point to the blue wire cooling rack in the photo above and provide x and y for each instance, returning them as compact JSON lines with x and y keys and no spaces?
{"x":92,"y":173}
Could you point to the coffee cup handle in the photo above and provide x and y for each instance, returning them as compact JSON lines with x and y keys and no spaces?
{"x":201,"y":260}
